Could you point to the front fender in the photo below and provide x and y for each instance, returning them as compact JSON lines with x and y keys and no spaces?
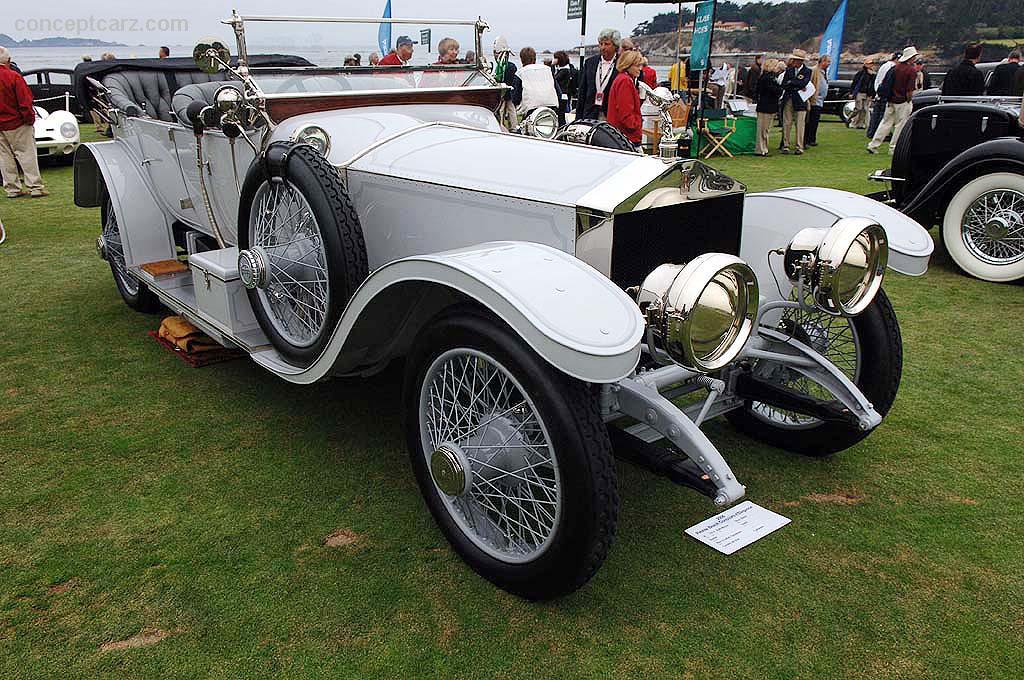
{"x":569,"y":313}
{"x":107,"y":169}
{"x":771,"y":219}
{"x":1005,"y":154}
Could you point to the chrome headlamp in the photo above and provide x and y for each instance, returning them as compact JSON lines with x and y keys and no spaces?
{"x":68,"y":130}
{"x":843,"y":266}
{"x":542,"y":123}
{"x":315,"y":136}
{"x":700,"y":314}
{"x":228,"y":101}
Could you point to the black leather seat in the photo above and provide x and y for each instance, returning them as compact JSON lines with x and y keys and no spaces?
{"x":148,"y":94}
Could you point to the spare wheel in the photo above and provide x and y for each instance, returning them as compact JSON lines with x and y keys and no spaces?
{"x":302,"y":249}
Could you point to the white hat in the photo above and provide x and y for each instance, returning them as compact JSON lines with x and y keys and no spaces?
{"x":908,"y":53}
{"x":501,"y":45}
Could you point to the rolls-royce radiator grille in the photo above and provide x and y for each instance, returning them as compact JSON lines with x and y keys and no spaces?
{"x":676,"y":234}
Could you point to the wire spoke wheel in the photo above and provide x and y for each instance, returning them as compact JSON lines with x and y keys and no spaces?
{"x":836,"y":339}
{"x":297,"y":294}
{"x":115,"y":253}
{"x":992,"y":227}
{"x":507,"y":497}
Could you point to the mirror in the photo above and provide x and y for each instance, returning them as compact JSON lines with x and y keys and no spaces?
{"x":210,"y":55}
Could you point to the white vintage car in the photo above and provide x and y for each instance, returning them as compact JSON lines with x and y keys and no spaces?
{"x":57,"y":135}
{"x":554,"y":301}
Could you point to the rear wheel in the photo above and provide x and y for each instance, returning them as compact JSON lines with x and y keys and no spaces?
{"x":983,"y":228}
{"x":511,"y":456}
{"x":134,"y":292}
{"x":868,"y":349}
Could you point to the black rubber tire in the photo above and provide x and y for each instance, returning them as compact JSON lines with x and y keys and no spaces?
{"x":602,"y":135}
{"x":320,"y":184}
{"x":881,"y":370}
{"x":145,"y":300}
{"x":570,"y":412}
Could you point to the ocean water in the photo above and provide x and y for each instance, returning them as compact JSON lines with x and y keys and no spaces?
{"x":324,"y":55}
{"x":29,"y":58}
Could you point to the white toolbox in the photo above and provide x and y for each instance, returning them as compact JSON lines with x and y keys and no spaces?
{"x":220,"y":295}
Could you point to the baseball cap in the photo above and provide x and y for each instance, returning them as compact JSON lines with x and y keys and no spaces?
{"x":405,"y":40}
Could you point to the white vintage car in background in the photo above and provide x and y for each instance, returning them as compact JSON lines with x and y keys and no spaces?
{"x":57,"y":134}
{"x":554,"y":301}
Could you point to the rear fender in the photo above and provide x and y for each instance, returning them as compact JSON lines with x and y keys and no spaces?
{"x":569,"y":313}
{"x":107,"y":169}
{"x":1005,"y":154}
{"x":771,"y":219}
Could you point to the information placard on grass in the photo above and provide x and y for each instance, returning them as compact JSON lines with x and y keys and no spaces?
{"x":737,"y":527}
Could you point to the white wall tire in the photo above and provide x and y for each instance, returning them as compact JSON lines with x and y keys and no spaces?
{"x":983,"y":227}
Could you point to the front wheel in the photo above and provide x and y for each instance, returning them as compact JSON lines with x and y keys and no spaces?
{"x":868,"y":348}
{"x":983,"y":227}
{"x":511,"y":456}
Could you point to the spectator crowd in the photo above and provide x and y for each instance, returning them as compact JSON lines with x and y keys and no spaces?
{"x":612,"y":84}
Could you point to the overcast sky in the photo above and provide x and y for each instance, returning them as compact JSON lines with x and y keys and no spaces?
{"x":539,"y":23}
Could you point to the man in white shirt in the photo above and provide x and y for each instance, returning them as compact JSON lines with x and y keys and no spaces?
{"x":878,"y":107}
{"x":535,"y":86}
{"x":720,"y":78}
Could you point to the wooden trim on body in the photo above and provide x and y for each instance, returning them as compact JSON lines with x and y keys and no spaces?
{"x":281,"y":108}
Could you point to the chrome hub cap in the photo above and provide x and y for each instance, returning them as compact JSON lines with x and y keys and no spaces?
{"x":101,"y":247}
{"x":993,"y":227}
{"x":450,"y":470}
{"x":287,"y":263}
{"x":490,"y":455}
{"x":252,"y":268}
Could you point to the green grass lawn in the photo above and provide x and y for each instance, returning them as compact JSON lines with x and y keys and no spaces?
{"x":141,"y":499}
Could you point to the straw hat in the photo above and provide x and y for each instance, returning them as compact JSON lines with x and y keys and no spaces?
{"x":798,"y":54}
{"x":908,"y":53}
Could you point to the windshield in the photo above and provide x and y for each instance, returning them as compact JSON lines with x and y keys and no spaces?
{"x":345,"y":42}
{"x":320,"y":81}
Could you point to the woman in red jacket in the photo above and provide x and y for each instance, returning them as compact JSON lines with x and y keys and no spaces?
{"x":624,"y":100}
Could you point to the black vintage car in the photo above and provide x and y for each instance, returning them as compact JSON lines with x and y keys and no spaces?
{"x":931,"y":95}
{"x":961,"y":166}
{"x":838,"y":100}
{"x":51,"y":89}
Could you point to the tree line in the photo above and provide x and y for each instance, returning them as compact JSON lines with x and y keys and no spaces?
{"x":880,"y":25}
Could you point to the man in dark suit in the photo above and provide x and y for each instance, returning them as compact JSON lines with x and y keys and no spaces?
{"x":1004,"y":75}
{"x":965,"y":80}
{"x":597,"y":76}
{"x":794,"y":106}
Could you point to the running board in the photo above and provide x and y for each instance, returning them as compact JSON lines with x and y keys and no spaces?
{"x":637,"y":445}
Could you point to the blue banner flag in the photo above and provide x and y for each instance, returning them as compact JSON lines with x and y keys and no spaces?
{"x":384,"y":32}
{"x":703,"y":21}
{"x":832,"y":40}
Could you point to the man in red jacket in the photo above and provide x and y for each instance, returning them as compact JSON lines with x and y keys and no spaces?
{"x":402,"y":53}
{"x":17,"y":136}
{"x":901,"y":82}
